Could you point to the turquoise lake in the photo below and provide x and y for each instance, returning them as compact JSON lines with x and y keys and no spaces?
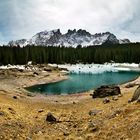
{"x":78,"y":83}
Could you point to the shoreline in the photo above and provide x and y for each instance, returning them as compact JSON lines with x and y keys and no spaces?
{"x":28,"y":80}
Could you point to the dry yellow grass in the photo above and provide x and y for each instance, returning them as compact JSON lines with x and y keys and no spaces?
{"x":22,"y":118}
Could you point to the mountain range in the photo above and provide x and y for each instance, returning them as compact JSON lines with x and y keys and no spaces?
{"x":71,"y":38}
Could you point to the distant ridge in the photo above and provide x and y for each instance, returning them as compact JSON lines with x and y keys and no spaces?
{"x":71,"y":38}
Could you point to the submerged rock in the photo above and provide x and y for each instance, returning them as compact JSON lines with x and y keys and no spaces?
{"x":136,"y":95}
{"x":105,"y":91}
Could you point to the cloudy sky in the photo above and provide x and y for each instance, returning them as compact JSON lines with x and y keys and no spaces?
{"x":23,"y":18}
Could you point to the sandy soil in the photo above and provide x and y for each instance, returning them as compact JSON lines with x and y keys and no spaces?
{"x":24,"y":117}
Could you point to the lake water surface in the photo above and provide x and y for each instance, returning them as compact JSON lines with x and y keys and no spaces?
{"x":83,"y":82}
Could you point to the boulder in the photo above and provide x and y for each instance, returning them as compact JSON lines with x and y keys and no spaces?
{"x":105,"y":91}
{"x":136,"y":95}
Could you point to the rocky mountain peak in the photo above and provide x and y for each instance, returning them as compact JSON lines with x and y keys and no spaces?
{"x":71,"y":31}
{"x":112,"y":38}
{"x":124,"y":41}
{"x":83,"y":32}
{"x":71,"y":38}
{"x":57,"y":31}
{"x":21,"y":43}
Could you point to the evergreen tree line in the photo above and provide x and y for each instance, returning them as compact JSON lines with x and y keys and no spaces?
{"x":119,"y":53}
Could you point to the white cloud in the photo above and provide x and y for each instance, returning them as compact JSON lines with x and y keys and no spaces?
{"x":30,"y":16}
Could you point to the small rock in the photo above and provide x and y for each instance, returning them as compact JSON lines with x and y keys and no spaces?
{"x":2,"y":113}
{"x":75,"y":126}
{"x":40,"y":111}
{"x":20,"y":70}
{"x":90,"y":94}
{"x":80,"y":129}
{"x":92,"y":126}
{"x":28,"y":138}
{"x":50,"y":118}
{"x":48,"y":69}
{"x":40,"y":132}
{"x":11,"y":109}
{"x":114,"y":98}
{"x":115,"y":113}
{"x":130,"y":85}
{"x":89,"y":137}
{"x":93,"y":112}
{"x":15,"y":97}
{"x":35,"y":73}
{"x":74,"y":102}
{"x":66,"y":133}
{"x":120,"y":95}
{"x":130,"y":100}
{"x":30,"y":94}
{"x":106,"y":100}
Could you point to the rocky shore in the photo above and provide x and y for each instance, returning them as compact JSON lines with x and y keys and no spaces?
{"x":25,"y":116}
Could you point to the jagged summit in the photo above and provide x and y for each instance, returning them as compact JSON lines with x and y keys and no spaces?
{"x":124,"y":41}
{"x":21,"y":43}
{"x":46,"y":38}
{"x":71,"y":38}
